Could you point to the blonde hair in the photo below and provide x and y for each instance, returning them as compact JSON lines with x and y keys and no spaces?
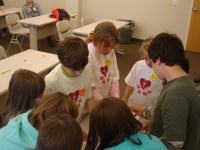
{"x":104,"y":32}
{"x":145,"y":45}
{"x":50,"y":104}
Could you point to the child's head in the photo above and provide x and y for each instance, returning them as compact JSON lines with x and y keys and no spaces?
{"x":73,"y":55}
{"x":110,"y":122}
{"x":105,"y":37}
{"x":50,"y":104}
{"x":60,"y":132}
{"x":144,"y":50}
{"x":24,"y":87}
{"x":168,"y":48}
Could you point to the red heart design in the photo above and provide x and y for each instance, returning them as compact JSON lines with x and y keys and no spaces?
{"x":145,"y":83}
{"x":104,"y":70}
{"x":74,"y":96}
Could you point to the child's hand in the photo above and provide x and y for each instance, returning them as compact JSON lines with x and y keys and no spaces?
{"x":84,"y":136}
{"x":145,"y":125}
{"x":137,"y":109}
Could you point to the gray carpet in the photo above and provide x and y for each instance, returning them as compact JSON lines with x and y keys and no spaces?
{"x":125,"y":62}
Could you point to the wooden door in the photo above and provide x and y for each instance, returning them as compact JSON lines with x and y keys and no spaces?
{"x":193,"y":41}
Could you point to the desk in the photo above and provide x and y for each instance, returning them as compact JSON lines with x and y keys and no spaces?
{"x":85,"y":30}
{"x":39,"y":62}
{"x":47,"y":27}
{"x":6,"y":12}
{"x":85,"y":123}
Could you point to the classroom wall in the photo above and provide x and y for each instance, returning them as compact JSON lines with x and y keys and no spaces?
{"x":150,"y":16}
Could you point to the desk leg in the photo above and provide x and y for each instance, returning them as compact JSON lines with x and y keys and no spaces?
{"x":33,"y":37}
{"x":120,"y":51}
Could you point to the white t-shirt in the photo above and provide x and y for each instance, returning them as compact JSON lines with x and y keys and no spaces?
{"x":57,"y":81}
{"x":104,"y":69}
{"x":147,"y":86}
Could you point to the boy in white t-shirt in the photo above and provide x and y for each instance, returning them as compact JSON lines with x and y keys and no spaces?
{"x":143,"y":85}
{"x":71,"y":76}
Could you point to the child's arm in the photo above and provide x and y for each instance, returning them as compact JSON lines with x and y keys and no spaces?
{"x":97,"y":97}
{"x":128,"y":91}
{"x":114,"y":89}
{"x":90,"y":104}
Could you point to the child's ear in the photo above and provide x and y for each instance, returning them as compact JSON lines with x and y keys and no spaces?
{"x":158,"y":61}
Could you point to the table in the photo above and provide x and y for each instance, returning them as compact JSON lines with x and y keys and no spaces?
{"x":47,"y":27}
{"x":85,"y":30}
{"x":85,"y":123}
{"x":39,"y":62}
{"x":6,"y":12}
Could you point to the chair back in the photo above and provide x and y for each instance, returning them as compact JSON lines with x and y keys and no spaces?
{"x":13,"y":26}
{"x":2,"y":53}
{"x":87,"y":20}
{"x":21,"y":14}
{"x":63,"y":29}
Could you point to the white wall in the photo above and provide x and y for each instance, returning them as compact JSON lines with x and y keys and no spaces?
{"x":46,"y":5}
{"x":151,"y":16}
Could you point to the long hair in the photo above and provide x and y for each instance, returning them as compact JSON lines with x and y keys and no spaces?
{"x":110,"y":122}
{"x":104,"y":32}
{"x":60,"y":132}
{"x":24,"y":87}
{"x":50,"y":104}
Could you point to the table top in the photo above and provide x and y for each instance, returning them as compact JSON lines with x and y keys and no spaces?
{"x":33,"y":60}
{"x":8,"y":11}
{"x":90,"y":27}
{"x":41,"y":20}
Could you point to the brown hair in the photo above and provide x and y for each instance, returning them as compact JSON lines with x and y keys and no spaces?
{"x":50,"y":104}
{"x":24,"y":87}
{"x":60,"y":132}
{"x":145,"y":45}
{"x":104,"y":32}
{"x":110,"y":121}
{"x":168,"y":48}
{"x":73,"y":53}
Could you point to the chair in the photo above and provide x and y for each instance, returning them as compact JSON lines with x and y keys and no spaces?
{"x":16,"y":29}
{"x":64,"y":30}
{"x":86,"y":21}
{"x":21,"y":14}
{"x":2,"y":53}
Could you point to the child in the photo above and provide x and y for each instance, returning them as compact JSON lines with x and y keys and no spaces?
{"x":175,"y":120}
{"x":113,"y":127}
{"x":24,"y":87}
{"x":22,"y":131}
{"x":71,"y":76}
{"x":148,"y":112}
{"x":102,"y":61}
{"x":60,"y":132}
{"x":143,"y":85}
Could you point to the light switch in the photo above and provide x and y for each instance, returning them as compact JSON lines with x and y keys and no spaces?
{"x":175,"y":2}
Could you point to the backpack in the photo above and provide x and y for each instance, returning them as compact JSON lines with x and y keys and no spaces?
{"x":59,"y":14}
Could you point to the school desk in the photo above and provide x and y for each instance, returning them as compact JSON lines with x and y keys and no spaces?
{"x":40,"y":27}
{"x":85,"y":123}
{"x":85,"y":30}
{"x":37,"y":61}
{"x":6,"y":12}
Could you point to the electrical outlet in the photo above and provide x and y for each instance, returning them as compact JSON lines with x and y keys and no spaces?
{"x":175,"y":2}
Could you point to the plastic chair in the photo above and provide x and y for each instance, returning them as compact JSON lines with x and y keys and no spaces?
{"x":64,"y":30}
{"x":16,"y":29}
{"x":2,"y":53}
{"x":87,"y":20}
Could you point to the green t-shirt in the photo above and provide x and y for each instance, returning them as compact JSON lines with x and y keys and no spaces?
{"x":177,"y":113}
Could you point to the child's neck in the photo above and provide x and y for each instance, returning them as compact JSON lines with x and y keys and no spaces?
{"x":66,"y":73}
